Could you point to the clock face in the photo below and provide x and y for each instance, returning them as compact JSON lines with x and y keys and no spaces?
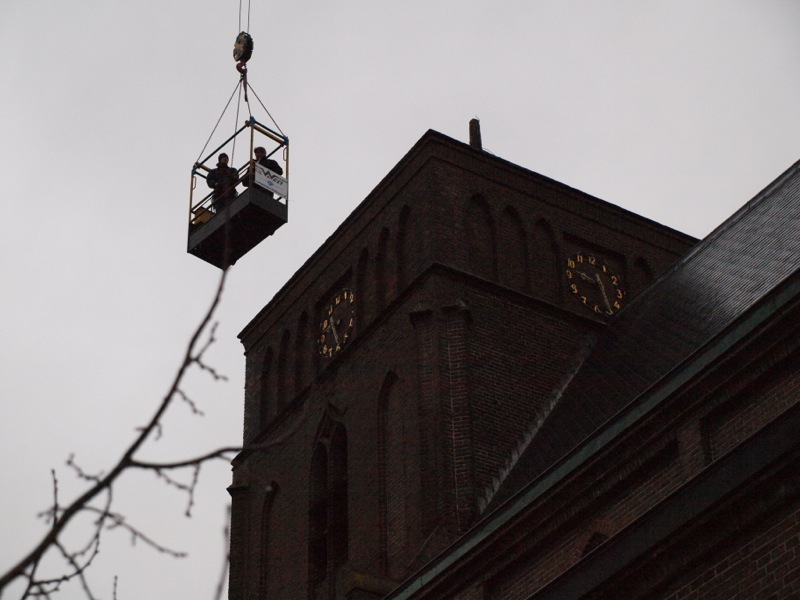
{"x":593,"y":284}
{"x":338,"y":320}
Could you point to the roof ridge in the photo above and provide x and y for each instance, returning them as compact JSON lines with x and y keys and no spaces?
{"x":522,"y":444}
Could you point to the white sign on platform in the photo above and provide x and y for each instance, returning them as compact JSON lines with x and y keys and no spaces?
{"x":269,"y":180}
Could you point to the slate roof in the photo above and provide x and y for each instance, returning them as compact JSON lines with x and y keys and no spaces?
{"x":717,"y":282}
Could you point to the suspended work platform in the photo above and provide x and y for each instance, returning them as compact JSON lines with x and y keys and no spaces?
{"x":250,"y":205}
{"x":228,"y":235}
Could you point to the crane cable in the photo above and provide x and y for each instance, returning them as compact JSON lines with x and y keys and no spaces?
{"x":236,"y":120}
{"x":248,"y":16}
{"x":266,"y":110}
{"x":218,"y":121}
{"x":243,"y":71}
{"x":242,"y":86}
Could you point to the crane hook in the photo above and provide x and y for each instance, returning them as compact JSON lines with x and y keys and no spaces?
{"x":242,"y":51}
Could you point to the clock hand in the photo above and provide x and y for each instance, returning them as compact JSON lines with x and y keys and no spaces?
{"x":335,"y":335}
{"x":585,"y":276}
{"x":603,"y":291}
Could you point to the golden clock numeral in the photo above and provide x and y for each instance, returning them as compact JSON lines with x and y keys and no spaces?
{"x":574,"y":288}
{"x":605,"y":268}
{"x":597,"y":309}
{"x":579,"y":258}
{"x":569,"y":274}
{"x":352,"y":322}
{"x":592,"y":260}
{"x":616,"y":304}
{"x":330,"y":310}
{"x":614,"y":280}
{"x":338,"y":300}
{"x":571,"y":263}
{"x":338,"y":347}
{"x":322,"y":339}
{"x":325,"y":325}
{"x":620,"y":295}
{"x":352,"y":296}
{"x":583,"y":299}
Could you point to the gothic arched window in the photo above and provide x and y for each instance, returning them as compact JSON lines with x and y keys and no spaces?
{"x":328,"y":528}
{"x":381,"y":271}
{"x":266,"y":406}
{"x":283,"y":372}
{"x":513,"y":262}
{"x":402,"y":247}
{"x":362,"y":306}
{"x":300,"y":350}
{"x":480,"y":237}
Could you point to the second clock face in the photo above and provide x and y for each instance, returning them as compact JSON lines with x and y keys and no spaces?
{"x":338,"y":320}
{"x":593,"y":284}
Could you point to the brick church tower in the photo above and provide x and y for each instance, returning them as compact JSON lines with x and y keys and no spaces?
{"x":396,"y":377}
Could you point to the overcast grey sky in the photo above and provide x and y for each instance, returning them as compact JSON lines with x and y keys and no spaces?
{"x":680,"y":111}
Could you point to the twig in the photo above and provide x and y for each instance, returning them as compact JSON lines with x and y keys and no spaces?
{"x":226,"y":533}
{"x":27,"y":566}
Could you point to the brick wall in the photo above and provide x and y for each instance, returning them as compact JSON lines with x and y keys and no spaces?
{"x":762,"y":563}
{"x":747,"y":546}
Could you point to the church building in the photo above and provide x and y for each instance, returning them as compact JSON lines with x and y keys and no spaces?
{"x":489,"y":385}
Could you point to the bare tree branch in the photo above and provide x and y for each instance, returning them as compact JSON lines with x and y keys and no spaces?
{"x":221,"y":453}
{"x":226,"y":533}
{"x":189,"y":402}
{"x":61,"y":517}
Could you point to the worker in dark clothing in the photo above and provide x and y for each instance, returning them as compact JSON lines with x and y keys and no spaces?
{"x":223,"y":181}
{"x":261,"y":158}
